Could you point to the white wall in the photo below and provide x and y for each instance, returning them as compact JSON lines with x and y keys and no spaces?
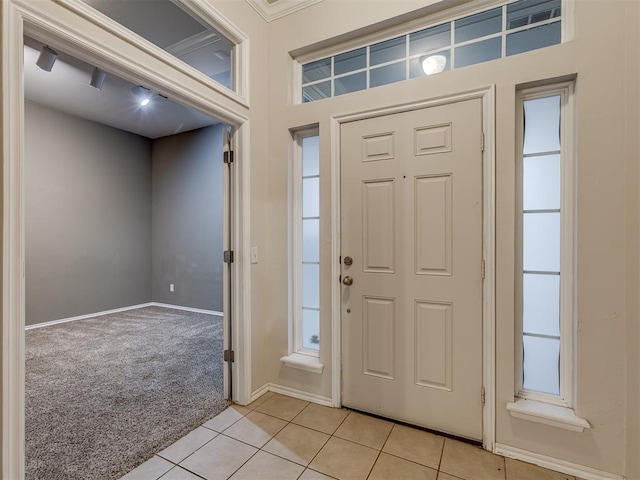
{"x":605,"y":314}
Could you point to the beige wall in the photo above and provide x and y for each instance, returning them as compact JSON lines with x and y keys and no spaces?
{"x":632,"y":176}
{"x":262,"y":207}
{"x":606,"y":313}
{"x":3,"y":106}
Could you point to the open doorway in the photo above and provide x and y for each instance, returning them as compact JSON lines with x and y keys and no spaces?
{"x":88,"y":36}
{"x":124,"y":280}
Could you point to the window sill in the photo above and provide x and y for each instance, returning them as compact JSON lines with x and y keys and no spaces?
{"x":554,"y":415}
{"x":303,"y":362}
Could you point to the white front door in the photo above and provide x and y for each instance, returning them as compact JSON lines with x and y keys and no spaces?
{"x":411,"y":213}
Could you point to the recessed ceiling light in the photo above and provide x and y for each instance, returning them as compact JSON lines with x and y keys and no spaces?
{"x":144,"y":102}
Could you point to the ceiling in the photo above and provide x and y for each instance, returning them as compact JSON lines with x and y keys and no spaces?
{"x":66,"y":88}
{"x":168,"y":25}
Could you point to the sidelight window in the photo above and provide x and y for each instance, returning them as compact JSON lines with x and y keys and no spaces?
{"x":306,"y":243}
{"x":545,"y":282}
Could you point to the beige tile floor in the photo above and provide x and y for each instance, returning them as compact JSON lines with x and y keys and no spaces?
{"x":283,"y":438}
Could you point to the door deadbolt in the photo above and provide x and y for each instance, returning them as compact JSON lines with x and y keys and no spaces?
{"x":348,"y":261}
{"x":347,"y":280}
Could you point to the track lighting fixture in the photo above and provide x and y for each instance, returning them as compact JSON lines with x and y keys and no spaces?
{"x":47,"y":58}
{"x":97,"y":78}
{"x":142,"y":95}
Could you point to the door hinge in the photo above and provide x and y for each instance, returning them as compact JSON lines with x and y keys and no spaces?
{"x":482,"y":142}
{"x":228,"y":256}
{"x":482,"y":395}
{"x":227,"y":156}
{"x":482,"y":269}
{"x":229,"y":356}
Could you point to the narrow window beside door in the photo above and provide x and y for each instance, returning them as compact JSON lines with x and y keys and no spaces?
{"x":306,"y":243}
{"x":546,"y":280}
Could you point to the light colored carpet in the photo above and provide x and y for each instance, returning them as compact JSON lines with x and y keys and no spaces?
{"x":103,"y":395}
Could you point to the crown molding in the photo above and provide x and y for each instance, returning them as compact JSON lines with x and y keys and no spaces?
{"x":279,"y":8}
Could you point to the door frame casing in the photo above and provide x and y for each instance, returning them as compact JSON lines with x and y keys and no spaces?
{"x":23,"y":16}
{"x":487,"y":97}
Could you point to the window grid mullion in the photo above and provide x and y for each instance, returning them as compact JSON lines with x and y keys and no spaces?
{"x":541,"y":154}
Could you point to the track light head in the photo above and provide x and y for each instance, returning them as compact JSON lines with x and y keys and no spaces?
{"x":97,"y":78}
{"x":142,"y":95}
{"x":47,"y":58}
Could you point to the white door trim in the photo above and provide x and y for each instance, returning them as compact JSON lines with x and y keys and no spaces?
{"x":487,"y":95}
{"x":45,"y":20}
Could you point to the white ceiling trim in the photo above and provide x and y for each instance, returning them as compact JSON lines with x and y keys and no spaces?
{"x":279,"y":8}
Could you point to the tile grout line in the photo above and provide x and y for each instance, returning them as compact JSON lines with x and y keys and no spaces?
{"x":307,"y":465}
{"x":409,"y":460}
{"x":245,"y":462}
{"x":288,"y":460}
{"x":380,"y":451}
{"x":320,"y":431}
{"x":290,"y":422}
{"x":181,"y":467}
{"x":330,"y":437}
{"x":441,"y":456}
{"x":257,"y":449}
{"x":200,"y":447}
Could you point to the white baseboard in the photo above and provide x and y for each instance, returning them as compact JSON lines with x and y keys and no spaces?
{"x":123,"y":309}
{"x":259,"y":392}
{"x":187,"y":309}
{"x":85,"y":317}
{"x":581,"y":471}
{"x":295,"y":393}
{"x":290,"y":392}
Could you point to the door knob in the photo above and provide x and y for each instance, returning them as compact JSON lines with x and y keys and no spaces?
{"x":347,"y":280}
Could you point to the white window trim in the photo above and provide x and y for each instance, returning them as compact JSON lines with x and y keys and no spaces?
{"x":299,"y":357}
{"x":545,"y":408}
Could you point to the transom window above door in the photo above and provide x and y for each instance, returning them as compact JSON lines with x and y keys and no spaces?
{"x":493,"y":33}
{"x":171,"y":26}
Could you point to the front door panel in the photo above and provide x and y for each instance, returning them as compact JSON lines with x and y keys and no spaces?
{"x":411,"y":199}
